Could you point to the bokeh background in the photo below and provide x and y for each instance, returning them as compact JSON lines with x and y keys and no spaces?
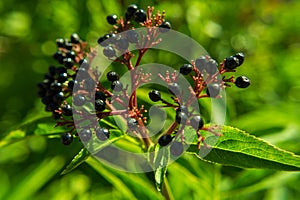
{"x":267,"y":31}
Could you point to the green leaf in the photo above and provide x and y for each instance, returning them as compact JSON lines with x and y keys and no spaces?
{"x":238,"y":148}
{"x":77,"y":160}
{"x":161,"y":162}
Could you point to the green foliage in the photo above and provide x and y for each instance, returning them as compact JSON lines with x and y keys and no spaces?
{"x":32,"y":157}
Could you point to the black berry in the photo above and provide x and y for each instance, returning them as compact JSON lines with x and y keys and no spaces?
{"x":186,"y":69}
{"x":201,"y":63}
{"x":181,"y":118}
{"x":197,"y":122}
{"x":240,"y":57}
{"x":164,"y":140}
{"x":60,"y":42}
{"x":100,"y":95}
{"x":79,"y":100}
{"x":132,"y":36}
{"x":213,"y":90}
{"x":58,"y":98}
{"x":116,"y":86}
{"x":165,"y":27}
{"x":109,"y":51}
{"x":71,"y":54}
{"x":132,"y":123}
{"x":59,"y":57}
{"x":99,"y":105}
{"x":112,"y":19}
{"x":75,"y":39}
{"x":122,"y":43}
{"x":102,"y":133}
{"x":140,"y":15}
{"x":112,"y":76}
{"x":176,"y":148}
{"x":242,"y":82}
{"x":211,"y":66}
{"x":231,"y":63}
{"x":154,"y":95}
{"x":85,"y":135}
{"x":68,"y":63}
{"x":182,"y":108}
{"x":62,"y":77}
{"x":66,"y":138}
{"x":131,"y":11}
{"x":66,"y":110}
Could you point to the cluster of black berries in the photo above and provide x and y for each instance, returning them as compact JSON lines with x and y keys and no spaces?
{"x":205,"y":72}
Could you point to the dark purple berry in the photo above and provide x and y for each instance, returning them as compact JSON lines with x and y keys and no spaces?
{"x":84,"y":63}
{"x":68,"y":63}
{"x":131,"y":11}
{"x":68,"y":46}
{"x":186,"y":69}
{"x":213,"y":90}
{"x":112,"y":76}
{"x":181,"y":118}
{"x":60,"y":42}
{"x":211,"y":66}
{"x":112,"y":19}
{"x":79,"y":100}
{"x":165,"y":27}
{"x":240,"y":57}
{"x":109,"y":51}
{"x":242,"y":82}
{"x":122,"y":43}
{"x":66,"y":138}
{"x":197,"y":122}
{"x":71,"y":54}
{"x":176,"y":148}
{"x":62,"y":77}
{"x":154,"y":95}
{"x":99,"y":105}
{"x":52,"y":71}
{"x":60,"y":70}
{"x":182,"y":108}
{"x":51,"y":107}
{"x":100,"y":95}
{"x":116,"y":86}
{"x":71,"y":84}
{"x":56,"y":86}
{"x":231,"y":63}
{"x":132,"y":36}
{"x":58,"y":98}
{"x":140,"y":15}
{"x":59,"y":57}
{"x":85,"y":135}
{"x":75,"y":39}
{"x":165,"y":140}
{"x":102,"y":133}
{"x":201,"y":63}
{"x":174,"y":89}
{"x":66,"y":110}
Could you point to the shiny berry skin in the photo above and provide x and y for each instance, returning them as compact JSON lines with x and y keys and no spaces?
{"x":112,"y":76}
{"x":75,"y":39}
{"x":112,"y":19}
{"x":66,"y":110}
{"x":186,"y":69}
{"x":100,"y":95}
{"x":71,"y":84}
{"x":102,"y":133}
{"x":131,"y":11}
{"x":68,"y":46}
{"x":60,"y":42}
{"x":201,"y":63}
{"x":79,"y":100}
{"x":231,"y":63}
{"x":174,"y":89}
{"x":116,"y":86}
{"x":176,"y":148}
{"x":85,"y":135}
{"x":109,"y":51}
{"x":211,"y":66}
{"x":132,"y":123}
{"x":68,"y":63}
{"x":240,"y":57}
{"x":181,"y":118}
{"x":59,"y":57}
{"x":165,"y":27}
{"x":140,"y":15}
{"x":71,"y":54}
{"x":62,"y":77}
{"x":56,"y":86}
{"x":154,"y":95}
{"x":182,"y":108}
{"x":242,"y":82}
{"x":66,"y":138}
{"x":106,"y":39}
{"x":165,"y":140}
{"x":99,"y":105}
{"x":213,"y":90}
{"x":84,"y":63}
{"x":58,"y":98}
{"x":197,"y":122}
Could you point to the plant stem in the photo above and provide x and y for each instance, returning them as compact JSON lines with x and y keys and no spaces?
{"x":166,"y":190}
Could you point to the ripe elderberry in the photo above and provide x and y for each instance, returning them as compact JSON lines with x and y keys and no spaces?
{"x":109,"y":51}
{"x":200,"y":63}
{"x":100,"y":95}
{"x":165,"y":27}
{"x":240,"y":57}
{"x":112,"y":19}
{"x":231,"y":63}
{"x":116,"y":86}
{"x":132,"y":123}
{"x":211,"y":66}
{"x":197,"y":122}
{"x":67,"y":110}
{"x":112,"y":76}
{"x":79,"y":100}
{"x":85,"y":135}
{"x":66,"y":138}
{"x":99,"y":105}
{"x":154,"y":95}
{"x":165,"y":140}
{"x":174,"y":89}
{"x":181,"y":118}
{"x":213,"y":90}
{"x":186,"y":69}
{"x":140,"y":15}
{"x":131,"y":11}
{"x":75,"y":39}
{"x":242,"y":82}
{"x":102,"y":133}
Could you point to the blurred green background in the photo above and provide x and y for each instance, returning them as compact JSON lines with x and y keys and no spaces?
{"x":267,"y":31}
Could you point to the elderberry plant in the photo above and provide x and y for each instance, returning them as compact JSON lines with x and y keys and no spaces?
{"x":89,"y":108}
